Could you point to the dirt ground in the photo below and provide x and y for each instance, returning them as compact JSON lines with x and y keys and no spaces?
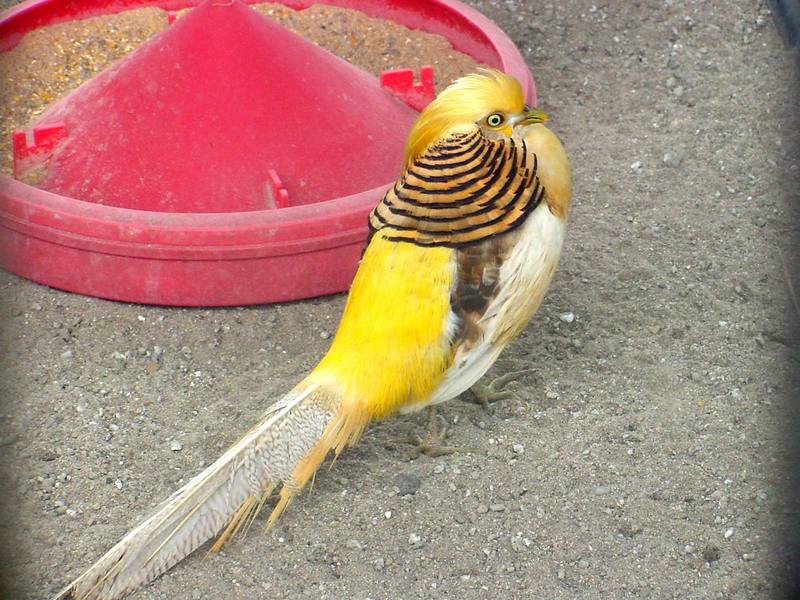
{"x":643,"y":456}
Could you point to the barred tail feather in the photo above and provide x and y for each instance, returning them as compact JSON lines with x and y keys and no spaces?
{"x":221,"y":500}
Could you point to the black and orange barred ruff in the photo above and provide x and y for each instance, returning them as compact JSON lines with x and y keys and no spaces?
{"x":461,"y":191}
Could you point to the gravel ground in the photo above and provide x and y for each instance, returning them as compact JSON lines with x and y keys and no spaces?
{"x":643,"y":454}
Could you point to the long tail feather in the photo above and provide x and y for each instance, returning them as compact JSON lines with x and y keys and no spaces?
{"x":223,"y":498}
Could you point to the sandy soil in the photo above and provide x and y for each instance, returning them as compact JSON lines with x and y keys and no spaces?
{"x":643,"y":456}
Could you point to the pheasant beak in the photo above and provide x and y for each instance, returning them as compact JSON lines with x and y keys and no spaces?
{"x":532,"y":116}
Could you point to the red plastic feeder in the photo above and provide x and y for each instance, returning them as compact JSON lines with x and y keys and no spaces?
{"x":226,"y":161}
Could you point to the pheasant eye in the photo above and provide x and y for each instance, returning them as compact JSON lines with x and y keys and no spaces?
{"x":494,"y":120}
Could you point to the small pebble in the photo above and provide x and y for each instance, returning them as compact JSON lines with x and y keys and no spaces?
{"x":601,"y":490}
{"x":482,"y":509}
{"x":415,"y":539}
{"x":518,"y":449}
{"x":66,"y":354}
{"x":697,"y":376}
{"x":497,"y":507}
{"x":742,"y":290}
{"x":673,"y":159}
{"x":176,"y":446}
{"x":728,"y":533}
{"x":354,"y":545}
{"x":711,"y":553}
{"x":406,"y":484}
{"x":567,"y":317}
{"x":118,"y":483}
{"x":636,"y":166}
{"x":517,"y":543}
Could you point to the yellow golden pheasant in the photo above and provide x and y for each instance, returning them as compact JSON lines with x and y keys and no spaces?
{"x":461,"y":251}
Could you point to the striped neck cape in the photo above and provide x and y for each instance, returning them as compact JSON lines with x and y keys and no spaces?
{"x":461,"y":191}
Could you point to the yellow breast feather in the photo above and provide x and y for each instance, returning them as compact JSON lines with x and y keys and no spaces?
{"x":397,"y":313}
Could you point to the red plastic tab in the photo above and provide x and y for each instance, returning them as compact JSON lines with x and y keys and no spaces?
{"x":40,"y":140}
{"x":401,"y":84}
{"x":277,"y":196}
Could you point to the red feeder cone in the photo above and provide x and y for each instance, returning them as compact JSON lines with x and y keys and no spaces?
{"x":209,"y":113}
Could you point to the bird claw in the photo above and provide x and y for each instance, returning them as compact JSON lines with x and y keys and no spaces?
{"x":494,"y":391}
{"x":431,"y":445}
{"x":426,"y":446}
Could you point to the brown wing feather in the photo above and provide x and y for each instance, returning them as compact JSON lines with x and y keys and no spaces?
{"x":477,"y":284}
